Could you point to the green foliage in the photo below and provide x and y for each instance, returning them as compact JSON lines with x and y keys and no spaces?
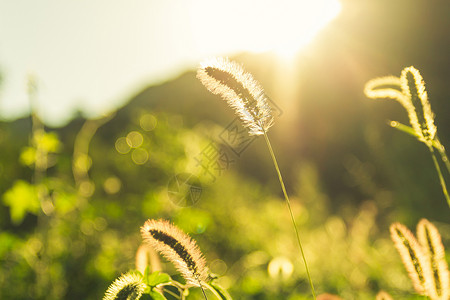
{"x":67,"y":235}
{"x":22,"y":199}
{"x":156,"y":278}
{"x":47,"y":141}
{"x":155,"y":295}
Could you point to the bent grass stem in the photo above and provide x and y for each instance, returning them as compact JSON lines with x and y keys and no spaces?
{"x":444,"y":157}
{"x":286,"y":197}
{"x":441,"y":177}
{"x":203,"y":291}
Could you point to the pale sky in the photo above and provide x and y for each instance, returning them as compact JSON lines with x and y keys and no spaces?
{"x":92,"y":55}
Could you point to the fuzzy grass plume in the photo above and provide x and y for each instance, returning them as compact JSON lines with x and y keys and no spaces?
{"x":242,"y":92}
{"x":382,"y":295}
{"x":422,"y":120}
{"x":129,"y":286}
{"x":409,"y":90}
{"x":178,"y":248}
{"x":245,"y":95}
{"x":412,"y":256}
{"x":424,"y":259}
{"x":430,"y":241}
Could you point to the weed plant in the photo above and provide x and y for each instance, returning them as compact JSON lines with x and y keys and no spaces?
{"x":409,"y":90}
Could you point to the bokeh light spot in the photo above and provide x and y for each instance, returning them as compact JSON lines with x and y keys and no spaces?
{"x":87,"y":227}
{"x":134,"y":139}
{"x":218,"y":267}
{"x":112,"y":185}
{"x":122,"y":146}
{"x":280,"y":267}
{"x":148,"y":122}
{"x":100,"y":223}
{"x":86,"y":188}
{"x":139,"y":156}
{"x":83,"y":162}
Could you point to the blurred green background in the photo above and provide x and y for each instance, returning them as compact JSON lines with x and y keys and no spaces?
{"x":74,"y":197}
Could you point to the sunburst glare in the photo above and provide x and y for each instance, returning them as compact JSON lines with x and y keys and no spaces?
{"x":279,"y":26}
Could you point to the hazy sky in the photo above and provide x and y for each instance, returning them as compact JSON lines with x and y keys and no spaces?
{"x":92,"y":55}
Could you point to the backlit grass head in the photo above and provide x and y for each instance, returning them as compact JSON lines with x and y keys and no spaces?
{"x":242,"y":92}
{"x":129,"y":286}
{"x":424,"y":259}
{"x":409,"y":91}
{"x":412,"y":256}
{"x":382,"y":295}
{"x":178,"y":248}
{"x":430,"y":241}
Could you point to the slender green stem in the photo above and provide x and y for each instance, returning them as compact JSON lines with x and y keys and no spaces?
{"x":181,"y":288}
{"x":441,"y":177}
{"x":201,"y":287}
{"x":290,"y":211}
{"x":213,"y":291}
{"x":166,"y":290}
{"x":444,"y":157}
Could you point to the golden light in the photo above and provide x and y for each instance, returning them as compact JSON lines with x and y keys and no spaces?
{"x":149,"y":42}
{"x":282,"y":26}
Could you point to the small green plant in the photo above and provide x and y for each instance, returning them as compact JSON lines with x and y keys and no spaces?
{"x":424,"y":259}
{"x":409,"y":91}
{"x":245,"y":95}
{"x":178,"y":248}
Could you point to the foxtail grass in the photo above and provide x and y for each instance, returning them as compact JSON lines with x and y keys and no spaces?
{"x":246,"y":96}
{"x":128,"y":286}
{"x":409,"y":90}
{"x":430,"y":241}
{"x":241,"y":91}
{"x":424,"y":259}
{"x":412,"y":256}
{"x":146,"y":257}
{"x":178,"y":248}
{"x":382,"y":295}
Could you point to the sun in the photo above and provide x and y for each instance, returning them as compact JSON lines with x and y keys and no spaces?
{"x":282,"y":26}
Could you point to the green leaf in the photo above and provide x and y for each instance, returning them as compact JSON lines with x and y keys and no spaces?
{"x":64,"y":202}
{"x":219,"y":291}
{"x":22,"y":199}
{"x":156,"y":295}
{"x":48,"y":141}
{"x":146,"y":274}
{"x":157,"y":278}
{"x":28,"y":156}
{"x":8,"y":243}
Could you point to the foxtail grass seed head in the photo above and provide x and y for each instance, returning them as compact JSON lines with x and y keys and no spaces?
{"x":430,"y":240}
{"x":409,"y":90}
{"x":413,"y":87}
{"x":242,"y":92}
{"x":382,"y":295}
{"x":412,"y":256}
{"x":384,"y":87}
{"x":128,"y":286}
{"x":178,"y":248}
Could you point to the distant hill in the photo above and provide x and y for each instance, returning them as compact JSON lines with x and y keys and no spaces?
{"x":326,"y":118}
